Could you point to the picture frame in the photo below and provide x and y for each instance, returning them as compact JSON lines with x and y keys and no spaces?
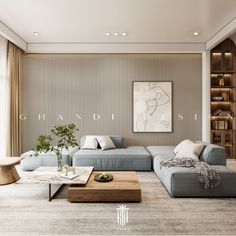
{"x":152,"y":106}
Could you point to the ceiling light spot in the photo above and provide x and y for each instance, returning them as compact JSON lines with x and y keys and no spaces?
{"x":124,"y":33}
{"x":35,"y":33}
{"x":108,"y":33}
{"x":195,"y":33}
{"x":116,"y":34}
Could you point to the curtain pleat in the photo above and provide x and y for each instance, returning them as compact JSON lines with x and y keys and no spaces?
{"x":14,"y":76}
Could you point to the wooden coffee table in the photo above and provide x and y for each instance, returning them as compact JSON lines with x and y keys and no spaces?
{"x":8,"y":172}
{"x":124,"y":187}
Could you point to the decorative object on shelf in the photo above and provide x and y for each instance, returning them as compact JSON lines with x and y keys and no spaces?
{"x":65,"y":138}
{"x":226,"y":113}
{"x":217,"y":112}
{"x":152,"y":106}
{"x":220,"y":124}
{"x":103,"y":177}
{"x":217,"y":98}
{"x":221,"y":80}
{"x":225,"y":96}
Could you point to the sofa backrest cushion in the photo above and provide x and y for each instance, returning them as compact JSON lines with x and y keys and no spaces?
{"x":116,"y":139}
{"x":213,"y":154}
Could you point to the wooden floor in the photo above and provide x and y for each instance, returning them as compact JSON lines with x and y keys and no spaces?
{"x":25,"y":210}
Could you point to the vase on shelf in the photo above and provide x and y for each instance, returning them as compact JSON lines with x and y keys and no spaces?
{"x":221,"y":80}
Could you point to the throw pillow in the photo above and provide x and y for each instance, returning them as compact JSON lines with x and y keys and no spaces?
{"x":178,"y":147}
{"x":190,"y":150}
{"x":105,"y":142}
{"x":90,"y":143}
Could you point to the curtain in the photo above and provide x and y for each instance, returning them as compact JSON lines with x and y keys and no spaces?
{"x":3,"y":96}
{"x":14,"y":75}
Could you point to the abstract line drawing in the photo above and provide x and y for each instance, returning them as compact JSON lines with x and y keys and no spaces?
{"x":152,"y":106}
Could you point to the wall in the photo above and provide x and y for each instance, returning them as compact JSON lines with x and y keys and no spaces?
{"x":85,"y":84}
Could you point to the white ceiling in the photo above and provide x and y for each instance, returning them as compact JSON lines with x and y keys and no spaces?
{"x":86,"y":21}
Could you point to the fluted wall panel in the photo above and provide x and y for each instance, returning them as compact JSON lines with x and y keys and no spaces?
{"x":88,"y":84}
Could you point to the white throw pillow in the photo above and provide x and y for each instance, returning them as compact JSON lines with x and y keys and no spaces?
{"x":178,"y":147}
{"x":105,"y":142}
{"x":190,"y":150}
{"x":90,"y":143}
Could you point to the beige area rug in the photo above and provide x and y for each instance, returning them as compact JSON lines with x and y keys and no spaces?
{"x":25,"y":210}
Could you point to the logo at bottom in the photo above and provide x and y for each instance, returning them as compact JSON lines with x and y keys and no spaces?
{"x":122,"y":215}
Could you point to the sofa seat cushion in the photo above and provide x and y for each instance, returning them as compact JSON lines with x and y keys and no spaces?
{"x":182,"y":182}
{"x":30,"y":163}
{"x":130,"y":158}
{"x":162,"y":152}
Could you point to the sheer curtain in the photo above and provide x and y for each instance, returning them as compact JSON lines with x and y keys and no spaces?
{"x":4,"y":88}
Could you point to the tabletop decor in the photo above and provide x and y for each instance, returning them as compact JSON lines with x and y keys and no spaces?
{"x":63,"y":136}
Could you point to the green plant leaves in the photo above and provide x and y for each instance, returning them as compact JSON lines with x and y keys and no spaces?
{"x":63,"y":135}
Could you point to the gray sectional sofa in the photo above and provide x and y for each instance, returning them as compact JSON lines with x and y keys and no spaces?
{"x":178,"y":181}
{"x":182,"y":182}
{"x":134,"y":158}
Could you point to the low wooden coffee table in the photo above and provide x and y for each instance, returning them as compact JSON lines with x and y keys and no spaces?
{"x":8,"y":172}
{"x":124,"y":187}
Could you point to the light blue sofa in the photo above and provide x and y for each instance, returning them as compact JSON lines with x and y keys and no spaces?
{"x":133,"y":158}
{"x":31,"y":162}
{"x":182,"y":182}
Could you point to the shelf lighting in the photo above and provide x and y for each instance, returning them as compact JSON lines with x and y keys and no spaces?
{"x":216,"y":54}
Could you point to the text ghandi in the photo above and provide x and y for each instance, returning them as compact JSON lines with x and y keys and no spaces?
{"x":97,"y":116}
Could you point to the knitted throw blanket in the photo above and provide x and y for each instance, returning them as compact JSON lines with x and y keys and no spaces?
{"x":204,"y":172}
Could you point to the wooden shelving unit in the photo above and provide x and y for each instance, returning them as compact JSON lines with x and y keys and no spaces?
{"x":223,"y":96}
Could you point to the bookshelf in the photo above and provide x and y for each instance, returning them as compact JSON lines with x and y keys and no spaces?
{"x":223,"y":96}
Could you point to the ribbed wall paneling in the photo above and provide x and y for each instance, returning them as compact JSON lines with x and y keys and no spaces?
{"x":66,"y":84}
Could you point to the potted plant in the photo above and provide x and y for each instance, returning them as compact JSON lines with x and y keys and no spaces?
{"x":62,"y":136}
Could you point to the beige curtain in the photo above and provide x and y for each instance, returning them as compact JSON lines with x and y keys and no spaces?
{"x":14,"y":76}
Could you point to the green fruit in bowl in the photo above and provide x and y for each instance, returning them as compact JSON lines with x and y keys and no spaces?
{"x":103,"y":175}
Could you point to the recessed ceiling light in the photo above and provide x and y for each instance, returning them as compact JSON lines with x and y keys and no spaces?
{"x":195,"y":33}
{"x":116,"y":33}
{"x":108,"y":33}
{"x":124,"y":33}
{"x":35,"y":33}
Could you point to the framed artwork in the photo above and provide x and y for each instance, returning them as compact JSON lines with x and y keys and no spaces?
{"x":152,"y":106}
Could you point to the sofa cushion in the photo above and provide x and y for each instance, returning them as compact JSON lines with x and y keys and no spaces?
{"x":30,"y":163}
{"x":213,"y":154}
{"x":182,"y":182}
{"x":90,"y":142}
{"x":105,"y":142}
{"x":130,"y":158}
{"x":116,"y":139}
{"x":180,"y":145}
{"x":163,"y":152}
{"x":190,"y":150}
